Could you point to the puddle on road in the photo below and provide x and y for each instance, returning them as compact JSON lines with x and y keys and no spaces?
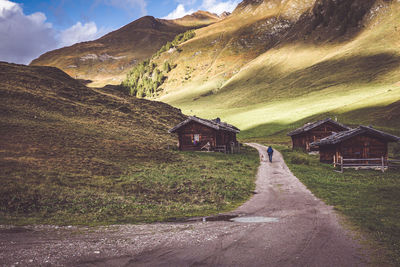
{"x":231,"y":218}
{"x":220,"y":217}
{"x":255,"y":219}
{"x":215,"y":218}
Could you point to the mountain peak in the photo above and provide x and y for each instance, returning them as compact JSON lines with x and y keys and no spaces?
{"x":224,"y":14}
{"x":198,"y":18}
{"x":109,"y":58}
{"x":201,"y":15}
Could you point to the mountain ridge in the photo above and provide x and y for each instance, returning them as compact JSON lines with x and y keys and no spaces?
{"x":108,"y":58}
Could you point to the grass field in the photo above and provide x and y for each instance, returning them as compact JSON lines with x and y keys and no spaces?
{"x":185,"y":184}
{"x":369,"y":199}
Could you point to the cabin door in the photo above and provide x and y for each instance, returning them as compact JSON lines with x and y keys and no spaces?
{"x":220,"y":139}
{"x":365,"y":152}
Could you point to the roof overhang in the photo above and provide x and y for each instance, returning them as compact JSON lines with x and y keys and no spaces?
{"x":212,"y":124}
{"x":307,"y":127}
{"x":342,"y":136}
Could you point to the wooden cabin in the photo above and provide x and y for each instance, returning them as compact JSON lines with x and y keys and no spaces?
{"x":196,"y":134}
{"x":360,"y":143}
{"x":312,"y":132}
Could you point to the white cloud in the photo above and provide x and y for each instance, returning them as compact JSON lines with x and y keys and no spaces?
{"x":179,"y":12}
{"x":218,"y":7}
{"x":23,"y":37}
{"x":80,"y":33}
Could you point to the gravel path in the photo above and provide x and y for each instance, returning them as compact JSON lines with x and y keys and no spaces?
{"x":300,"y":230}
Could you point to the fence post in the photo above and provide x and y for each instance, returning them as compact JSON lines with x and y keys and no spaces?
{"x":334,"y":161}
{"x":383,"y":164}
{"x":341,"y":164}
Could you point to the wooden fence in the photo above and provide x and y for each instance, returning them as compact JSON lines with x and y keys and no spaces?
{"x":372,"y":163}
{"x":232,"y":148}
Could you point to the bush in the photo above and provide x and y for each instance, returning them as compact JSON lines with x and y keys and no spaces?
{"x":299,"y":159}
{"x":145,"y":79}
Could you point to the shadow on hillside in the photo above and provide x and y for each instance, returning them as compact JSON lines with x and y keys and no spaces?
{"x":351,"y":70}
{"x":387,"y":117}
{"x":331,"y":20}
{"x":328,"y":21}
{"x":276,"y":132}
{"x":273,"y":83}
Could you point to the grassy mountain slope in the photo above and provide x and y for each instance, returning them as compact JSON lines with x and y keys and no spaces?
{"x":70,"y":154}
{"x":107,"y":59}
{"x":301,"y":60}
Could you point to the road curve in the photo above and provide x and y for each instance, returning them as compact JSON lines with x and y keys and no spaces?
{"x":303,"y":231}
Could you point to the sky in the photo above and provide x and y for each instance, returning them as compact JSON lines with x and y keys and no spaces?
{"x":29,"y":28}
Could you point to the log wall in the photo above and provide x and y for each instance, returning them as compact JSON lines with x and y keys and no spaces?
{"x":357,"y":147}
{"x":206,"y":134}
{"x":303,"y":141}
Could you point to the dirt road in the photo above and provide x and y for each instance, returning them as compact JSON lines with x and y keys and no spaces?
{"x":294,"y":229}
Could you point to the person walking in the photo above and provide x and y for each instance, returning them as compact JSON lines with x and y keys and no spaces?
{"x":270,"y":151}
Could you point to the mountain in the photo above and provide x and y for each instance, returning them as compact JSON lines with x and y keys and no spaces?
{"x":61,"y":141}
{"x":273,"y":65}
{"x":48,"y":116}
{"x":109,"y":58}
{"x":199,"y":18}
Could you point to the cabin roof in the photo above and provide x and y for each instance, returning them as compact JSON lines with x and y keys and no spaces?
{"x":309,"y":126}
{"x":336,"y":138}
{"x":214,"y":124}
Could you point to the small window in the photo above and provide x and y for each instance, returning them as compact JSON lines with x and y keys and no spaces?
{"x":196,"y":139}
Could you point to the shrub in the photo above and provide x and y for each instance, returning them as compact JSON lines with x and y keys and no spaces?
{"x":299,"y":159}
{"x":145,"y":79}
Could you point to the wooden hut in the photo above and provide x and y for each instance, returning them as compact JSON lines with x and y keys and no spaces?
{"x":197,"y":134}
{"x":312,"y":132}
{"x":359,"y":143}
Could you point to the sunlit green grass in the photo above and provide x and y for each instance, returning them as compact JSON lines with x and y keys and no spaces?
{"x":290,"y":113}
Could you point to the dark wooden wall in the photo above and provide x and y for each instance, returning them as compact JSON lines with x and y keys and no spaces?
{"x":216,"y":138}
{"x":363,"y":146}
{"x":304,"y":140}
{"x":357,"y":147}
{"x":326,"y":153}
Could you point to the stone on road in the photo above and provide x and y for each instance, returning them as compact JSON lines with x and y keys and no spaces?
{"x":283,"y":224}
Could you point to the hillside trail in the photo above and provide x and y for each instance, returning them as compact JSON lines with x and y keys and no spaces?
{"x":284,"y":225}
